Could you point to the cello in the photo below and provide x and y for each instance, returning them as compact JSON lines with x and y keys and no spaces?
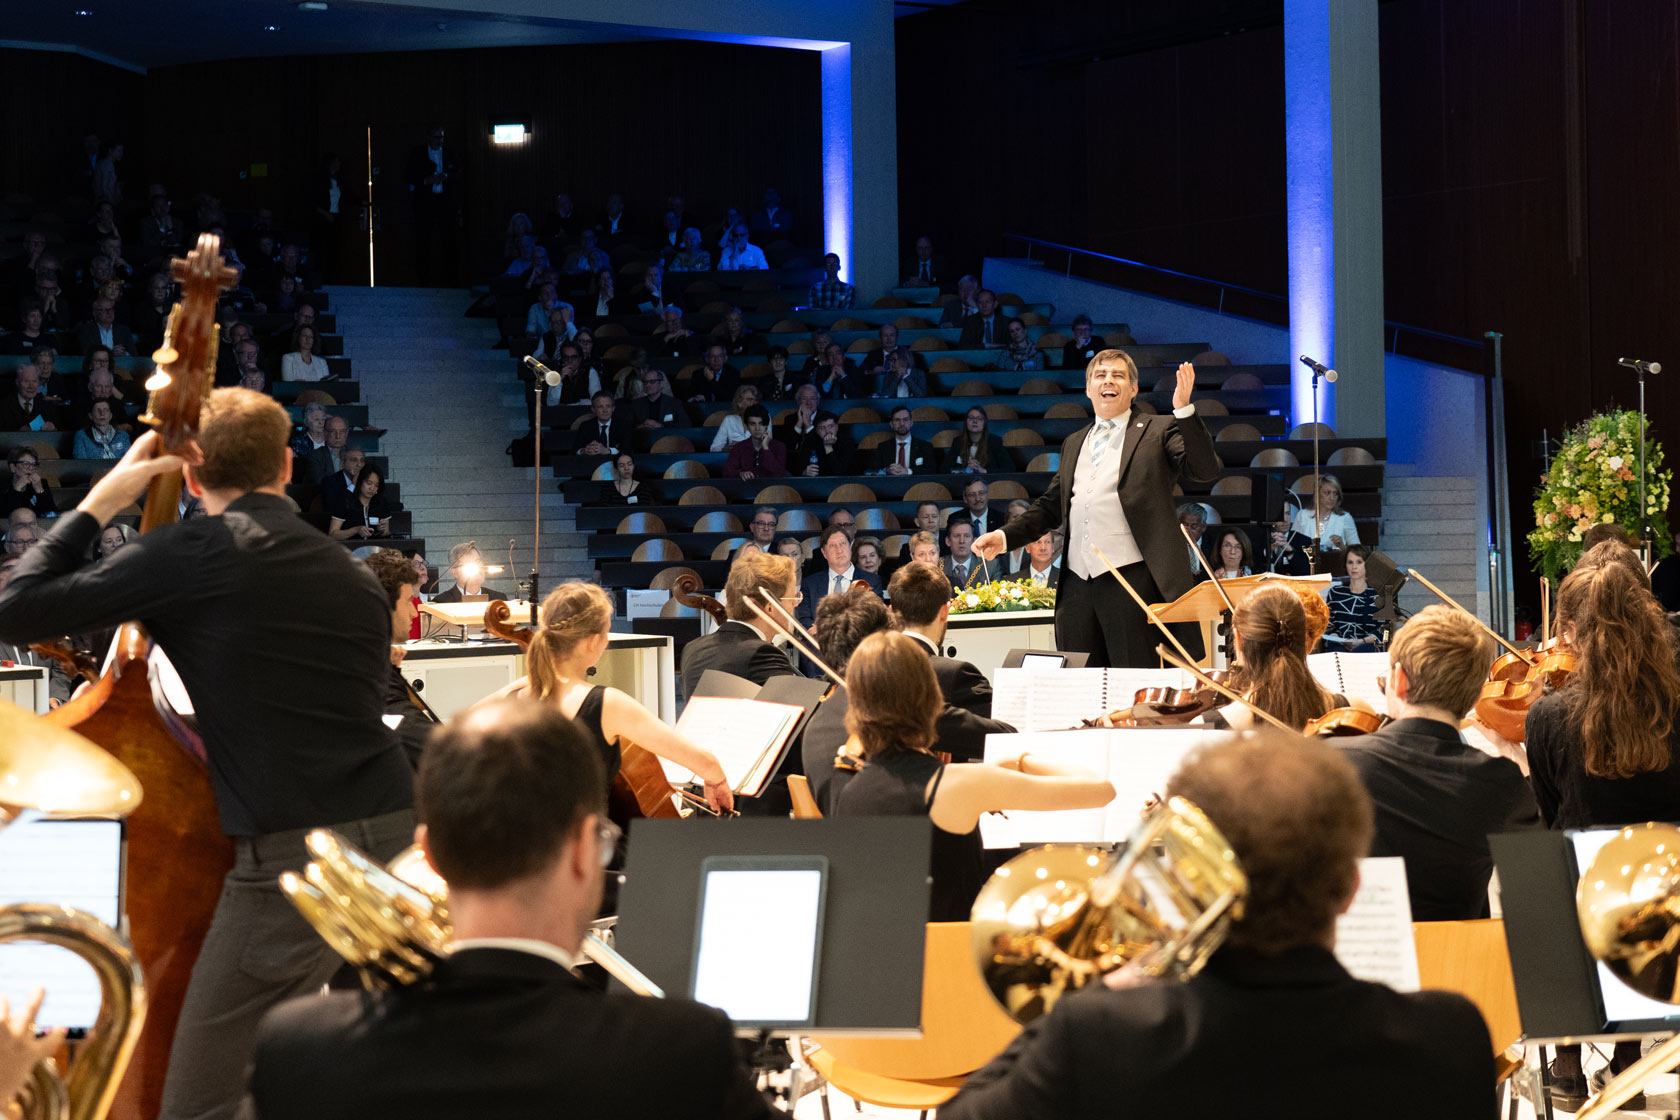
{"x":175,"y":843}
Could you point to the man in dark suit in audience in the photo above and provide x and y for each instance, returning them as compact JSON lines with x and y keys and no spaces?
{"x":606,"y":433}
{"x":329,"y":457}
{"x":903,"y":453}
{"x":466,"y":567}
{"x":964,"y":305}
{"x":1082,"y":345}
{"x":924,"y":268}
{"x":1038,"y":563}
{"x":24,"y":409}
{"x":837,"y":575}
{"x":987,"y":328}
{"x":978,"y":508}
{"x":1298,"y":822}
{"x":743,"y":645}
{"x":503,"y":1018}
{"x":1438,"y":798}
{"x":842,"y":622}
{"x":656,"y":407}
{"x":338,"y":488}
{"x":798,"y":432}
{"x":960,"y":566}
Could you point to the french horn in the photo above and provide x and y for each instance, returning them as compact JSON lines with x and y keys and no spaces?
{"x":1059,"y":917}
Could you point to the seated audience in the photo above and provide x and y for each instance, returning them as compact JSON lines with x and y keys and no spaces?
{"x":967,"y":303}
{"x":519,"y":907}
{"x":799,"y":431}
{"x":161,"y":234}
{"x":1298,"y":822}
{"x":844,"y":519}
{"x":1437,"y":798}
{"x":831,"y":292}
{"x":761,"y":528}
{"x":648,"y":296}
{"x":671,"y":339}
{"x":961,"y":567}
{"x":1082,"y":344}
{"x":1233,"y":555}
{"x":560,"y":330}
{"x":743,"y":644}
{"x":986,"y":328}
{"x":656,"y":407}
{"x":734,"y":428}
{"x":1038,"y":563}
{"x":367,"y":513}
{"x":625,"y":489}
{"x":338,"y":490}
{"x":900,"y":377}
{"x":539,"y":317}
{"x":792,"y":549}
{"x":466,"y":568}
{"x":327,"y":458}
{"x":833,"y":375}
{"x":759,"y":455}
{"x":715,"y":380}
{"x":26,"y":408}
{"x":1019,"y":351}
{"x":587,"y":258}
{"x":1353,"y":608}
{"x":733,"y":334}
{"x":893,"y":707}
{"x":878,"y":361}
{"x":1272,"y":673}
{"x":866,"y":555}
{"x":924,"y":269}
{"x":613,"y":225}
{"x":838,"y":573}
{"x":1286,"y":550}
{"x":114,"y":537}
{"x":923,"y":548}
{"x":903,"y":453}
{"x":977,"y":508}
{"x":773,"y":219}
{"x":28,"y":490}
{"x":976,"y":450}
{"x":831,"y":453}
{"x":312,"y":432}
{"x":100,"y":440}
{"x":1336,"y":529}
{"x":32,"y":336}
{"x":1194,"y":516}
{"x":302,"y":364}
{"x":602,"y":299}
{"x":739,"y":254}
{"x":694,"y":256}
{"x":780,"y":382}
{"x":606,"y":433}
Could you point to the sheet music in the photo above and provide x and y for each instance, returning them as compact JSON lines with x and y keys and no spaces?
{"x":1055,"y":699}
{"x":70,"y":863}
{"x":1374,"y":938}
{"x":1140,"y":761}
{"x":742,"y":733}
{"x":1354,"y":675}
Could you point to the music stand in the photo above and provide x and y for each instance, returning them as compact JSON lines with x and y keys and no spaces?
{"x":1016,"y":658}
{"x":1203,"y":603}
{"x":869,"y":971}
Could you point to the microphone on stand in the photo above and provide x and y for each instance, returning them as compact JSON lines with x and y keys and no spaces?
{"x":548,"y":375}
{"x":1317,"y":367}
{"x":1643,"y":367}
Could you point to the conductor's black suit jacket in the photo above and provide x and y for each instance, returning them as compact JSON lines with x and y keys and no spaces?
{"x":1156,"y":450}
{"x":497,"y":1033}
{"x":1291,"y":1035}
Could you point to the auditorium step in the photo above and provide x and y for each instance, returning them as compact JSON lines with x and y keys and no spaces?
{"x":450,"y":405}
{"x":1431,"y":524}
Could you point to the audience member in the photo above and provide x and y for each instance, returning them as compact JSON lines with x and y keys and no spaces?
{"x":613,"y":225}
{"x":1232,"y":553}
{"x":780,"y":382}
{"x":734,"y":427}
{"x":866,"y":555}
{"x":924,"y":269}
{"x":113,"y":538}
{"x":648,"y":296}
{"x":25,"y":408}
{"x":327,"y":458}
{"x":792,"y":549}
{"x":670,"y":240}
{"x":976,"y":450}
{"x":799,"y":431}
{"x":762,"y":527}
{"x":977,"y":508}
{"x":671,"y":339}
{"x":1353,"y":608}
{"x":606,"y":433}
{"x":1082,"y":346}
{"x":625,"y":489}
{"x":54,"y":304}
{"x":561,"y":329}
{"x":900,"y":377}
{"x":466,"y":568}
{"x":151,"y":314}
{"x":586,"y":258}
{"x":1286,"y":550}
{"x":539,"y":316}
{"x":740,"y":254}
{"x":302,"y":364}
{"x":1194,"y":517}
{"x":831,"y":292}
{"x":842,"y":517}
{"x":903,"y":454}
{"x":338,"y":490}
{"x":1335,"y":527}
{"x":104,"y":330}
{"x":367,"y":513}
{"x":99,"y":440}
{"x":733,"y":334}
{"x":1019,"y":351}
{"x":560,"y":223}
{"x":832,"y":453}
{"x":716,"y":379}
{"x":838,"y":573}
{"x":743,"y":644}
{"x":833,"y":375}
{"x":961,"y":566}
{"x":312,"y":433}
{"x":923,"y":548}
{"x":967,"y":303}
{"x":986,"y":328}
{"x":1437,"y":798}
{"x":694,"y":256}
{"x":1038,"y":563}
{"x":28,"y":490}
{"x":773,"y":218}
{"x":602,"y":300}
{"x":656,"y":407}
{"x":759,"y":455}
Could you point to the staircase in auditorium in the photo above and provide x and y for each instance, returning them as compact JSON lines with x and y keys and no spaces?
{"x":451,"y":404}
{"x":1431,"y":524}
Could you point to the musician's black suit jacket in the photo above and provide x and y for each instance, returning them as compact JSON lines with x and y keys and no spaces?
{"x":497,"y":1033}
{"x":733,"y":648}
{"x":1156,"y":450}
{"x":453,"y":595}
{"x":1250,"y":1035}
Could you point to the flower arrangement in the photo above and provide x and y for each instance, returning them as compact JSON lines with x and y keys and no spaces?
{"x":1002,"y":595}
{"x":1592,"y":481}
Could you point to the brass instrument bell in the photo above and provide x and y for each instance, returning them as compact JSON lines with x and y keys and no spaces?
{"x":52,"y":770}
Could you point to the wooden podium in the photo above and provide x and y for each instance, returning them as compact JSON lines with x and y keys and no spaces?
{"x":1203,"y":604}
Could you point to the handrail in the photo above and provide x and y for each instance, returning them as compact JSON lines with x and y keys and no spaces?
{"x":1469,"y":355}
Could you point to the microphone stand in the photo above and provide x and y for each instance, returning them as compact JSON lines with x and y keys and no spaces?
{"x":1318,"y":522}
{"x":1648,"y":555}
{"x":544,"y":379}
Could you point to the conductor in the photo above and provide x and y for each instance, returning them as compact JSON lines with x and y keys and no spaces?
{"x":1113,"y":491}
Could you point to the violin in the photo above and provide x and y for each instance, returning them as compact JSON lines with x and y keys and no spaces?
{"x":640,"y":788}
{"x":1514,"y":684}
{"x":1339,"y":722}
{"x":1163,"y":706}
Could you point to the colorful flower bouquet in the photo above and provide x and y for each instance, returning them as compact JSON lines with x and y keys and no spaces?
{"x":1002,"y":595}
{"x":1592,"y":481}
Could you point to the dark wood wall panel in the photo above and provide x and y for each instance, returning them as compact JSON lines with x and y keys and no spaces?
{"x":52,"y":99}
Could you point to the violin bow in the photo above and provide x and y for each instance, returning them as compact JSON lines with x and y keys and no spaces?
{"x":1148,"y":611}
{"x":1451,"y":602}
{"x":810,"y":650}
{"x":1545,"y":611}
{"x":1206,"y":567}
{"x":1208,"y":682}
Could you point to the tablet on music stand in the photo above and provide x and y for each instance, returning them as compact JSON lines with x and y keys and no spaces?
{"x":758,"y":937}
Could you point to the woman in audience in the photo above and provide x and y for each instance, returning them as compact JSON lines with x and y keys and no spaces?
{"x":924,"y":548}
{"x":780,"y":382}
{"x":114,"y":537}
{"x":33,"y":335}
{"x":1233,"y":555}
{"x":1601,"y":748}
{"x":601,"y":301}
{"x":302,"y":364}
{"x":518,"y":229}
{"x":694,"y":257}
{"x":866,"y":555}
{"x":1272,"y":671}
{"x":524,"y":256}
{"x":588,"y":364}
{"x":734,"y":427}
{"x":367,"y":512}
{"x":625,"y":489}
{"x":1353,"y":608}
{"x":576,"y":621}
{"x":103,"y":223}
{"x":732,"y":334}
{"x":791,"y":548}
{"x":976,"y":450}
{"x":312,"y":433}
{"x":151,"y":313}
{"x":1336,"y":530}
{"x":99,"y":440}
{"x":893,"y":703}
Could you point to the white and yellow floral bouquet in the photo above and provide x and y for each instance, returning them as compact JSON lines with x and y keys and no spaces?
{"x":1592,"y":481}
{"x":1002,"y":595}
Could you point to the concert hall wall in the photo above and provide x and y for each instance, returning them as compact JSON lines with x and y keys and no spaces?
{"x":714,"y":122}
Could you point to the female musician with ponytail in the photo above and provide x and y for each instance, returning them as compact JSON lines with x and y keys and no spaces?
{"x":576,"y":619}
{"x":1601,"y":747}
{"x":1272,"y":670}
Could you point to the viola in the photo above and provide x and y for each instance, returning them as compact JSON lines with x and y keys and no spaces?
{"x":640,"y":788}
{"x":1343,"y":721}
{"x":1514,"y":684}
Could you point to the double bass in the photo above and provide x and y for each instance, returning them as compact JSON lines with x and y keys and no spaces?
{"x":177,"y":853}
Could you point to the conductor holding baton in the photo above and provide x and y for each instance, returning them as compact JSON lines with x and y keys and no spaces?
{"x":1113,"y":491}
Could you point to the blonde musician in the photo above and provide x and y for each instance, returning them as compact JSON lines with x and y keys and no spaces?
{"x":576,"y":619}
{"x":893,"y":706}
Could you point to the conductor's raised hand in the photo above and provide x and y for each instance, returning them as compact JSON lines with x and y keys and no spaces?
{"x":1186,"y":385}
{"x":123,"y":485}
{"x":989,"y":545}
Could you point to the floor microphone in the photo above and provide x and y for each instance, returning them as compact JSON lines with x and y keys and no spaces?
{"x":1644,"y":367}
{"x":550,"y":376}
{"x":1319,"y":368}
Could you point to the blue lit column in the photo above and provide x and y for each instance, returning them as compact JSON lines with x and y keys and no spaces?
{"x":837,"y":156}
{"x":1333,"y":126}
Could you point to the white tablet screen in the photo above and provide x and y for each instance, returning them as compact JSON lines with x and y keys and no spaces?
{"x":759,"y":934}
{"x":1043,"y":661}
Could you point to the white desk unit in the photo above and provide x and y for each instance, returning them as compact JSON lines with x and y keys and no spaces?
{"x":25,"y":686}
{"x":451,"y":676}
{"x":986,"y":638}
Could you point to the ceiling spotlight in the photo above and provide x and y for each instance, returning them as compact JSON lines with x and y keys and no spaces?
{"x":270,"y":27}
{"x":83,"y":12}
{"x":312,"y":6}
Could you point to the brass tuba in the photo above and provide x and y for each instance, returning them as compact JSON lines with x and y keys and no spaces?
{"x":392,"y":922}
{"x":50,"y":771}
{"x":1059,"y":917}
{"x":1628,"y":904}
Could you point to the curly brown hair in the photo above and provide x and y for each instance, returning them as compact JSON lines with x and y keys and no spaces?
{"x":1623,"y":691}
